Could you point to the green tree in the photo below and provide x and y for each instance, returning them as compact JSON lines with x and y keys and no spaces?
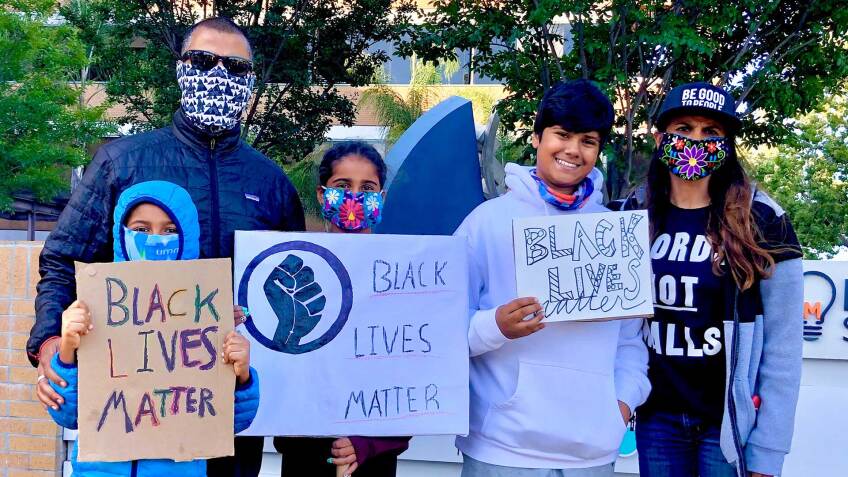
{"x":776,"y":56}
{"x":397,"y":112}
{"x":808,"y":176}
{"x":303,"y":50}
{"x":43,"y":128}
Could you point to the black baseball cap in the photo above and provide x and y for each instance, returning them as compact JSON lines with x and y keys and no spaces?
{"x":699,"y":98}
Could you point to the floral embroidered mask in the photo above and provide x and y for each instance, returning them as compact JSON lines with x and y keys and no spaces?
{"x":351,"y":211}
{"x":689,"y":159}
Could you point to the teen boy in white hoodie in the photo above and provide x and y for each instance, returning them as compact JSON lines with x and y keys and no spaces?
{"x":547,"y":400}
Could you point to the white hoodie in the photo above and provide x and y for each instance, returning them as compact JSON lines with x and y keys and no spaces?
{"x":548,"y":400}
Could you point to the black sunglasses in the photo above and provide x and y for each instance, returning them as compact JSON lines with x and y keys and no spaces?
{"x":206,"y":60}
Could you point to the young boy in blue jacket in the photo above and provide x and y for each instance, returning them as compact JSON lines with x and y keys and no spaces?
{"x":154,"y":220}
{"x":547,"y":399}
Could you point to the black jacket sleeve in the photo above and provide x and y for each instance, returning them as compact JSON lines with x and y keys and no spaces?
{"x":291,"y":213}
{"x":82,"y":234}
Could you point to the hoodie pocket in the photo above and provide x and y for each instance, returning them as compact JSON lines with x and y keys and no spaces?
{"x":558,"y":410}
{"x":746,"y":414}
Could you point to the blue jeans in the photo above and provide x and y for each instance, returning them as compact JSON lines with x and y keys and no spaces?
{"x":474,"y":468}
{"x":679,"y":445}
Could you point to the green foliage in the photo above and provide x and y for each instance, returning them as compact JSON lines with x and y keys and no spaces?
{"x":808,"y":176}
{"x":398,"y":113}
{"x":303,"y":51}
{"x":304,"y":177}
{"x":776,"y":56}
{"x":43,"y":129}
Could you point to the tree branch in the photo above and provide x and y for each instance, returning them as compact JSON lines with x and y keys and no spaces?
{"x":548,"y":45}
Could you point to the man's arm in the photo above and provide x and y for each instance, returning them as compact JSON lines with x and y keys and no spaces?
{"x":291,"y":212}
{"x":82,"y":234}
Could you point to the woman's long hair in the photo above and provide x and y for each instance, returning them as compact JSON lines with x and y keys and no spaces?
{"x":731,"y":229}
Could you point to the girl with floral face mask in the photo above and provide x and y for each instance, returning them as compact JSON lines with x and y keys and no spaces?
{"x":725,"y":339}
{"x":350,"y":191}
{"x":351,"y":178}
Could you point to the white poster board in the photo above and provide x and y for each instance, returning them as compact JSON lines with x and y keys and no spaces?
{"x":585,"y":266}
{"x":825,"y":309}
{"x":356,"y":334}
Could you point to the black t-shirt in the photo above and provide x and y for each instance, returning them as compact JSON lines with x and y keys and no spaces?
{"x":685,"y":342}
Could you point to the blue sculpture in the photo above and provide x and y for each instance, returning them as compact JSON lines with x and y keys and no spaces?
{"x":434,"y":177}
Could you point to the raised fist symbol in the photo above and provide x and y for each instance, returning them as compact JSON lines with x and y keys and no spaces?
{"x":296,"y":299}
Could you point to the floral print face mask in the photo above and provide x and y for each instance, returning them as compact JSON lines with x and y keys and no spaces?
{"x":351,"y":211}
{"x":689,"y":159}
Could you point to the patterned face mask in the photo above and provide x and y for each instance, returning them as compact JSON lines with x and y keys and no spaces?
{"x":352,"y":211}
{"x":142,"y":246}
{"x":689,"y":159}
{"x":213,"y":99}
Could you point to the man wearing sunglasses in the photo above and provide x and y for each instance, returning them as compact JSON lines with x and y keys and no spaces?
{"x":233,"y":187}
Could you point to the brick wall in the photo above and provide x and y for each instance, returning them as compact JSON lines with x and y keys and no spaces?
{"x":30,"y":443}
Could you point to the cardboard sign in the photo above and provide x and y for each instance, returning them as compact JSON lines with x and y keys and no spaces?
{"x":585,"y":266}
{"x":356,"y":334}
{"x":825,"y":309}
{"x":151,"y":381}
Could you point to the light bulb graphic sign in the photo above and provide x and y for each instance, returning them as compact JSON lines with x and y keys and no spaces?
{"x":356,"y":334}
{"x":825,"y":312}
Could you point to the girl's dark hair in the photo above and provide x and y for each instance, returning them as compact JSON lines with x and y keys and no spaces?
{"x":731,"y":229}
{"x":348,"y":148}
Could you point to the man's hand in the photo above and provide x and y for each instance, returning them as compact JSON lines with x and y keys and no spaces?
{"x":344,"y":454}
{"x":237,"y":351}
{"x":76,"y":322}
{"x":511,"y":317}
{"x":45,"y":393}
{"x":625,"y":412}
{"x":757,"y":474}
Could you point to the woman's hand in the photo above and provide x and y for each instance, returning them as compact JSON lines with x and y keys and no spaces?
{"x":344,"y":454}
{"x":238,"y":315}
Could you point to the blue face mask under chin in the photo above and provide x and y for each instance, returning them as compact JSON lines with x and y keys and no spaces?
{"x":142,"y":246}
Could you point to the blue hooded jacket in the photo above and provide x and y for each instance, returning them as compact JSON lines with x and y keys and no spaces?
{"x":177,"y":203}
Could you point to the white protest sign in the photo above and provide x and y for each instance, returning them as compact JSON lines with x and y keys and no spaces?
{"x":585,"y":266}
{"x":825,"y":309}
{"x":356,"y":334}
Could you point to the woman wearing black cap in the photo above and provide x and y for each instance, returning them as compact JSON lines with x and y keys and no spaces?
{"x":725,"y":339}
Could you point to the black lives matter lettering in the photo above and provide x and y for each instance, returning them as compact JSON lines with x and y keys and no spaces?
{"x":585,"y":275}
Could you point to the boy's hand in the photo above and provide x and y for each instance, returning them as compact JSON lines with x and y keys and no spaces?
{"x":76,"y":322}
{"x":237,"y":351}
{"x":626,"y":414}
{"x":344,"y":454}
{"x":511,"y":317}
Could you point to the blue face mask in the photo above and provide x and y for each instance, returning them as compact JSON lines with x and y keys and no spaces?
{"x":142,"y":246}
